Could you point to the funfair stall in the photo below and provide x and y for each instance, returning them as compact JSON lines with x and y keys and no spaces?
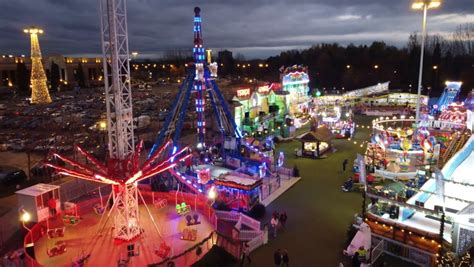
{"x":38,"y":200}
{"x":315,"y":144}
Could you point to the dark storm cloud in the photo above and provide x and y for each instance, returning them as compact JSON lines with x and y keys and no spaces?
{"x":253,"y":27}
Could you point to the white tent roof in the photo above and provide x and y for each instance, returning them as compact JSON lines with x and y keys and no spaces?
{"x":37,"y":189}
{"x":363,"y":238}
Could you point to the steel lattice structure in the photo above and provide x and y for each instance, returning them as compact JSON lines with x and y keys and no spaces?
{"x":39,"y":88}
{"x":200,"y":80}
{"x":122,"y":170}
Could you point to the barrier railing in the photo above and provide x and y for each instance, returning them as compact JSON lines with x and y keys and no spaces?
{"x":227,"y":215}
{"x":395,"y":175}
{"x":257,"y":241}
{"x":376,"y":252}
{"x":427,"y":124}
{"x":183,"y":259}
{"x":233,"y":247}
{"x":269,"y":186}
{"x":252,"y":223}
{"x":286,"y":173}
{"x":36,"y":232}
{"x":255,"y":237}
{"x":235,"y":216}
{"x":248,"y":234}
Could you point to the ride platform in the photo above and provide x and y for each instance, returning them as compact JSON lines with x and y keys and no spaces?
{"x":82,"y":239}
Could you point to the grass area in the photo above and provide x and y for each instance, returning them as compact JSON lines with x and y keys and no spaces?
{"x":319,"y":213}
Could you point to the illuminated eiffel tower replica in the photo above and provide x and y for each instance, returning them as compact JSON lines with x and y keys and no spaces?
{"x":39,"y":88}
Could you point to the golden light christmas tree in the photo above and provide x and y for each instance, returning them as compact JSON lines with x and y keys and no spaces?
{"x":39,"y":88}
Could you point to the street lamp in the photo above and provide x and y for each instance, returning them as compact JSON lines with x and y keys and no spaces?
{"x":422,"y":5}
{"x":212,"y":194}
{"x":102,"y":133}
{"x":102,"y":125}
{"x":25,"y":217}
{"x":348,"y":66}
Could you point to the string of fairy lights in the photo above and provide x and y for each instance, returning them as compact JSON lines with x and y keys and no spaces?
{"x":365,"y":142}
{"x":39,"y":87}
{"x":391,"y":228}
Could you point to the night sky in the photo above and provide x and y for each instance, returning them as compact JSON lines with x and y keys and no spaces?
{"x":255,"y":28}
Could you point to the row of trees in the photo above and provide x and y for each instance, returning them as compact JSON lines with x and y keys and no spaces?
{"x":342,"y":68}
{"x":352,"y":67}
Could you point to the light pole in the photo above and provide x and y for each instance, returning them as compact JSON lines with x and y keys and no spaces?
{"x":102,"y":133}
{"x":25,"y":217}
{"x":422,"y":5}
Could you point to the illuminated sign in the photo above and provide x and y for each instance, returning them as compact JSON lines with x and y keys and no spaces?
{"x":243,"y":92}
{"x":263,"y":89}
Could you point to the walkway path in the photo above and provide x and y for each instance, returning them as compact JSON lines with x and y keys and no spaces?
{"x":318,"y":211}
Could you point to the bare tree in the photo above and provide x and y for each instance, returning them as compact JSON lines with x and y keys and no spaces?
{"x":240,"y":57}
{"x":463,"y":40}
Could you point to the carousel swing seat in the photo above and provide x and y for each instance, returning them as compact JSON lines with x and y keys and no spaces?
{"x":182,"y":208}
{"x":58,"y":249}
{"x":163,"y":250}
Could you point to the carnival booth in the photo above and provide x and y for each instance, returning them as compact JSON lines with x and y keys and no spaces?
{"x":38,"y":200}
{"x":455,"y":112}
{"x":343,"y":129}
{"x":238,"y":192}
{"x":315,"y":143}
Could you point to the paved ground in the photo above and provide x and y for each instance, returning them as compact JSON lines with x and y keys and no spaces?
{"x":104,"y":251}
{"x":319,"y":212}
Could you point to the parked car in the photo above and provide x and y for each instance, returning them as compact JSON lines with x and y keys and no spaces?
{"x":11,"y":175}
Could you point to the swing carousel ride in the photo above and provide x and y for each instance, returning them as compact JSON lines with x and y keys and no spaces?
{"x":88,"y":237}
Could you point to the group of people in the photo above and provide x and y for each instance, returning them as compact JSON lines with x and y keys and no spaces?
{"x":281,"y":258}
{"x":277,"y":221}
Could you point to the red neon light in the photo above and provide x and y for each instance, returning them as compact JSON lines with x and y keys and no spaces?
{"x":108,"y":175}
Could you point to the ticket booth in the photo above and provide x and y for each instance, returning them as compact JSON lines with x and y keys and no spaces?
{"x":35,"y":200}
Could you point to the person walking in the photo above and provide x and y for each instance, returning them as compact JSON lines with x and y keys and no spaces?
{"x":344,"y":165}
{"x":283,"y":218}
{"x":277,"y":258}
{"x":285,"y":258}
{"x":274,"y":223}
{"x":245,"y":254}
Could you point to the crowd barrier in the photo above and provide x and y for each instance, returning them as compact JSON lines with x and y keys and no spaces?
{"x":34,"y":233}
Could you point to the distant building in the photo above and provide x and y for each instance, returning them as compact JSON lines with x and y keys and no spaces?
{"x":68,"y":67}
{"x":225,"y":61}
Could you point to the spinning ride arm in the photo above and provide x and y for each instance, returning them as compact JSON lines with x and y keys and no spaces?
{"x":176,"y":114}
{"x":225,"y":112}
